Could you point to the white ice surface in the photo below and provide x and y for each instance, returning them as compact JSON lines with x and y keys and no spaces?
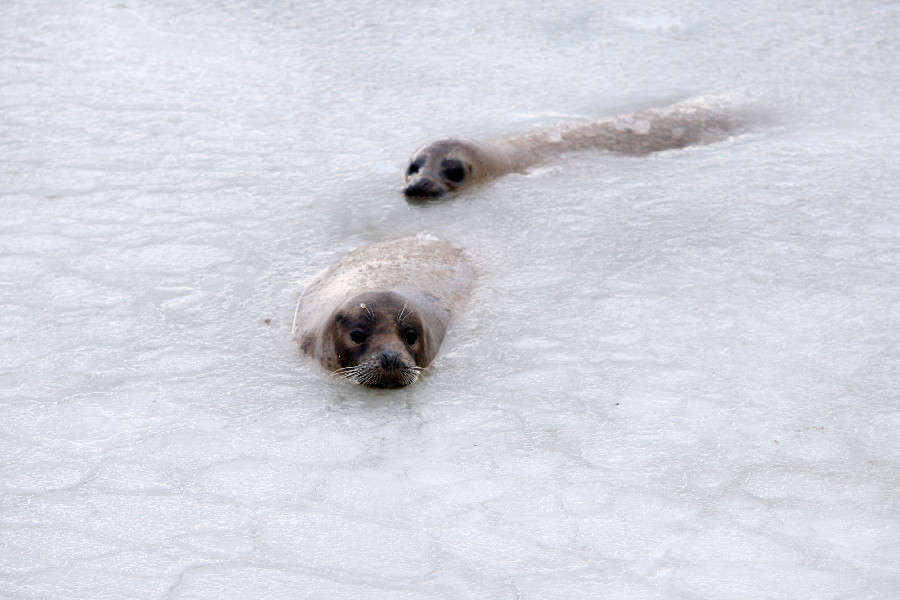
{"x":677,"y":377}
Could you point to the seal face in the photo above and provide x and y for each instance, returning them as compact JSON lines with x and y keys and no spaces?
{"x":378,"y":339}
{"x":379,"y":315}
{"x":438,"y":168}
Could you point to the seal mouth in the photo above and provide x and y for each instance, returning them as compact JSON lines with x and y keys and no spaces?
{"x":373,"y":375}
{"x":425,"y":188}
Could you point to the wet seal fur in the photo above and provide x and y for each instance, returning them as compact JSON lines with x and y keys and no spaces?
{"x":379,"y":315}
{"x":451,"y":164}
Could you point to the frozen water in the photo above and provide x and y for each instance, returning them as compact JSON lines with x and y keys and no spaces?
{"x":677,"y":377}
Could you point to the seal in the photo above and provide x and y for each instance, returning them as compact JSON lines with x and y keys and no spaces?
{"x":378,"y":316}
{"x":451,"y":164}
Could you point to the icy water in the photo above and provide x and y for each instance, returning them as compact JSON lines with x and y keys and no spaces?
{"x":677,"y":377}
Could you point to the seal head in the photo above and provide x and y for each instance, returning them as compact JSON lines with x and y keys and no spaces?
{"x":377,"y":339}
{"x":378,"y":316}
{"x":440,"y":167}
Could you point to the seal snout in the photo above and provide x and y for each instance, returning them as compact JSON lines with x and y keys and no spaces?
{"x":390,"y":360}
{"x":392,"y":370}
{"x":424,"y":188}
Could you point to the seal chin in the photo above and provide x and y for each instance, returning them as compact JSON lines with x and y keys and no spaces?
{"x":425,"y":188}
{"x":395,"y":379}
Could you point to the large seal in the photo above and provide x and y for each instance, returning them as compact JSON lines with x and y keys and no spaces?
{"x":451,"y":164}
{"x":379,"y":315}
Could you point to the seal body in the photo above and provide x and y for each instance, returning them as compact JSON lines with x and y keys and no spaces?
{"x":379,"y":315}
{"x":451,"y":164}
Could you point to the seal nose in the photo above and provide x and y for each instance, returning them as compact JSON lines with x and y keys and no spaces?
{"x":390,"y":360}
{"x":424,"y":187}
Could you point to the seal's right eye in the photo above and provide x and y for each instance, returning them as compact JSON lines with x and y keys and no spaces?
{"x":453,"y":170}
{"x":358,"y":336}
{"x":413,"y":168}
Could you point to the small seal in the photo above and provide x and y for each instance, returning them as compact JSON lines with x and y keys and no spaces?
{"x":378,"y":316}
{"x":451,"y":164}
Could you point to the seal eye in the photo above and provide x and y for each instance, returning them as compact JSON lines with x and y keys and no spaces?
{"x":455,"y":173}
{"x":413,"y":168}
{"x":358,"y":336}
{"x":410,"y":336}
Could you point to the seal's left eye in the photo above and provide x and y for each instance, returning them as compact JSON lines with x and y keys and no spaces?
{"x":410,"y":336}
{"x":358,"y":336}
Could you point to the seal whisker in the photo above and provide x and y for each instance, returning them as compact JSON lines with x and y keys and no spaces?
{"x":368,"y":374}
{"x":402,"y":310}
{"x":410,"y":376}
{"x":373,"y":377}
{"x":349,"y":375}
{"x":364,"y":306}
